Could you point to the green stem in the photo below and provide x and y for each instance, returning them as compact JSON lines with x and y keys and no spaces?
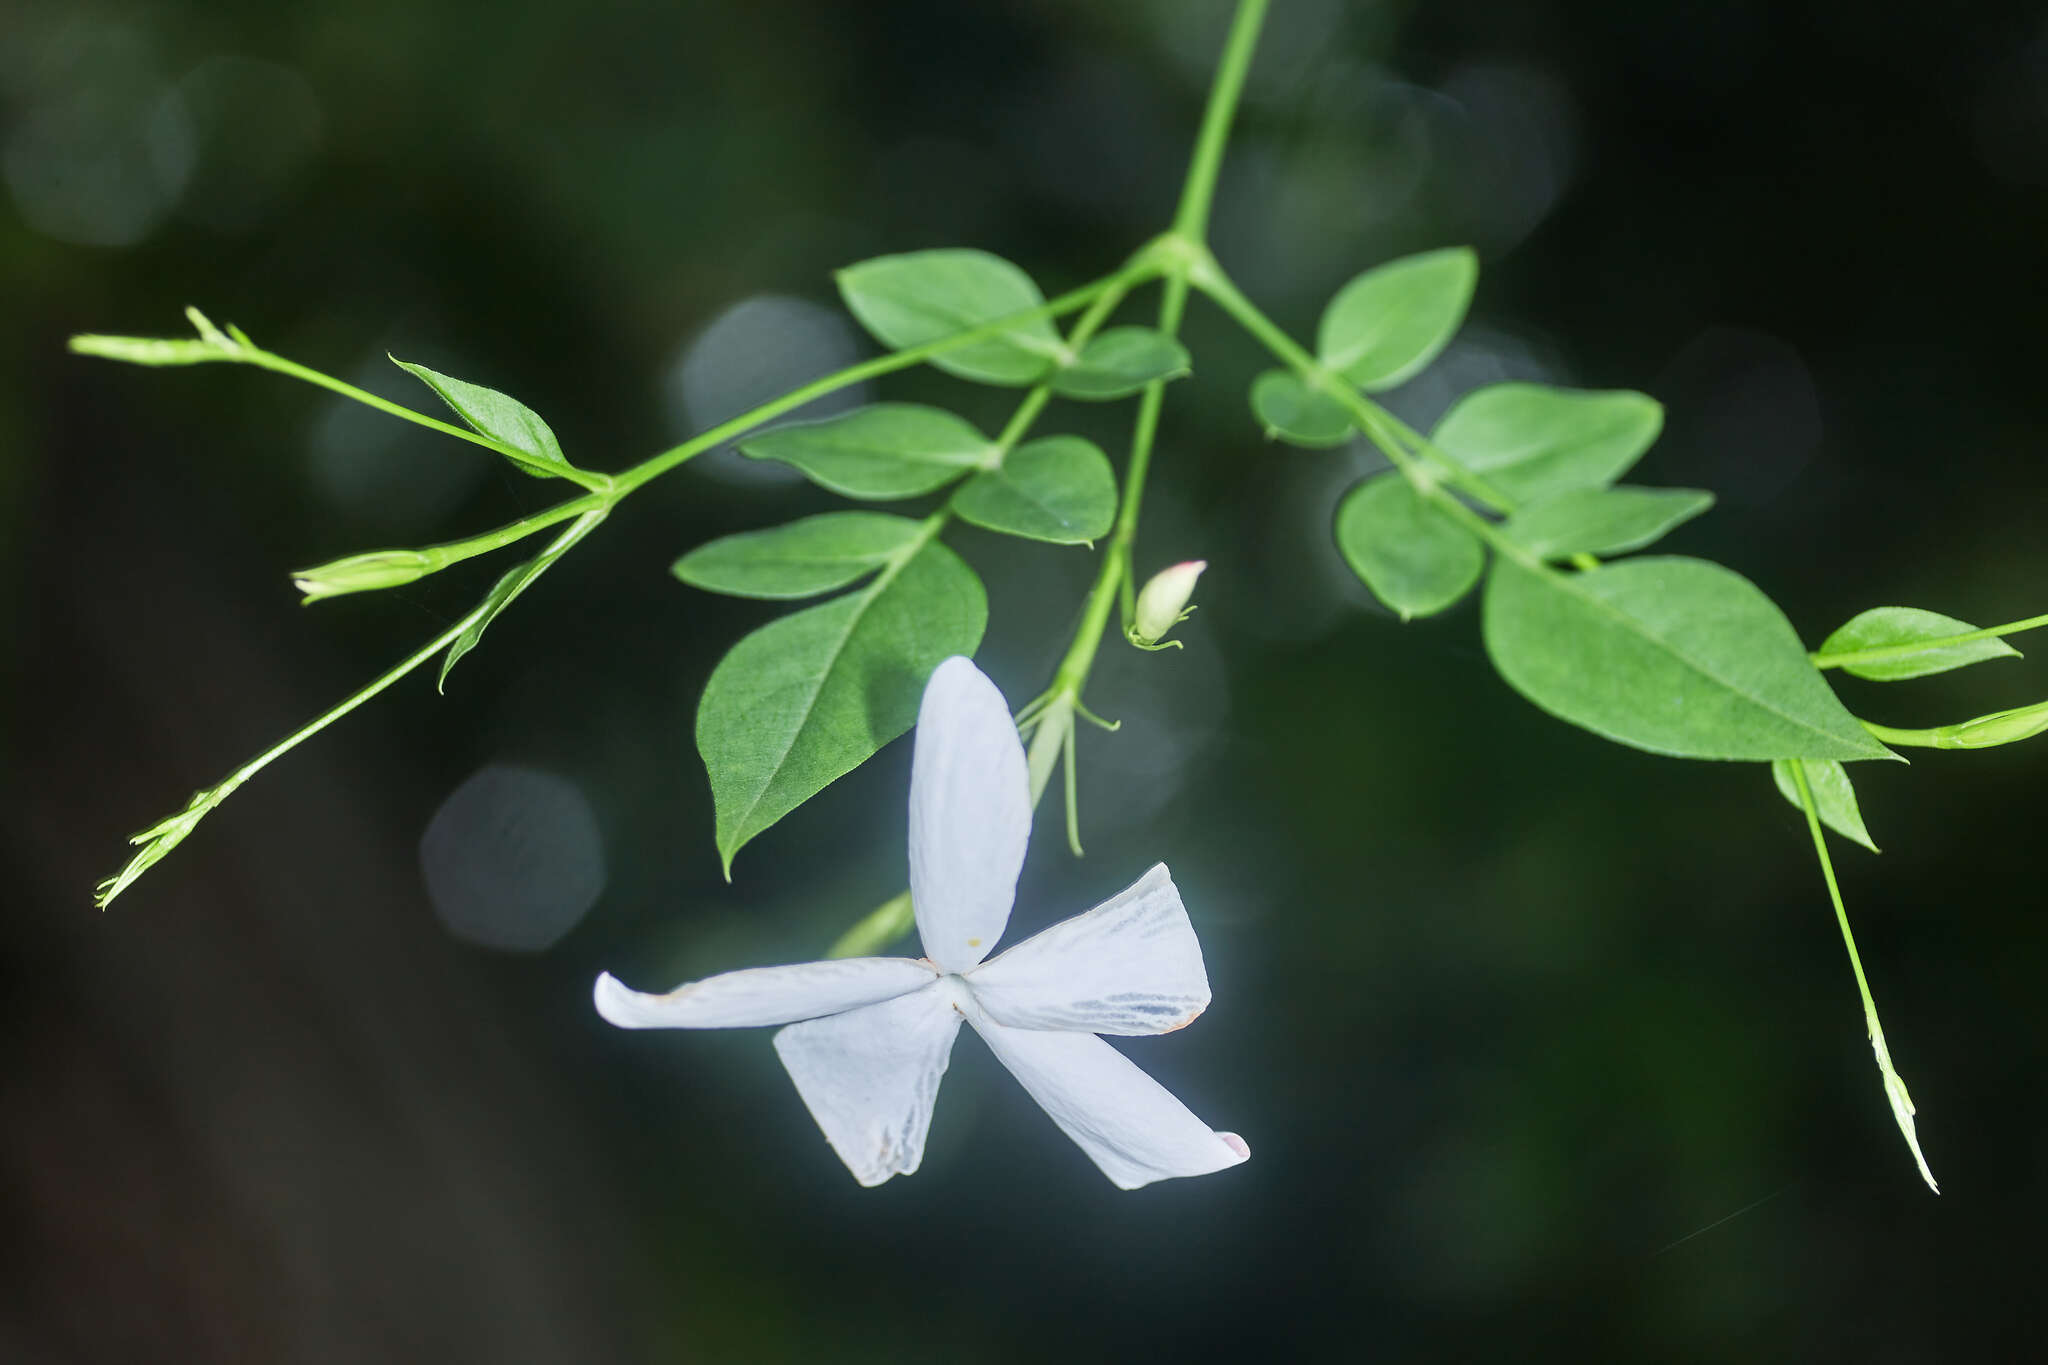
{"x":418,"y":657}
{"x":1055,"y":709}
{"x":1878,"y":654}
{"x":167,"y":834}
{"x":1183,"y":252}
{"x":894,"y":917}
{"x":1051,"y":715}
{"x":1426,"y":472}
{"x":455,"y":551}
{"x":1894,"y":1086}
{"x":1979,"y":732}
{"x":1226,"y":88}
{"x":1071,"y":676}
{"x":1131,"y":275}
{"x":1912,"y":739}
{"x":1034,"y":402}
{"x":1368,"y":415}
{"x":1452,"y":470}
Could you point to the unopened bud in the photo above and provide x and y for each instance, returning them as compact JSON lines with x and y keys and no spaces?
{"x":2000,"y":727}
{"x":148,"y":350}
{"x":1163,"y":604}
{"x":363,"y":573}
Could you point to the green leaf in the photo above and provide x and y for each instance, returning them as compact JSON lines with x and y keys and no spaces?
{"x":1119,"y":362}
{"x":1677,"y":656}
{"x":923,"y":296}
{"x":800,"y":559}
{"x":509,"y":422}
{"x":884,"y":450}
{"x":1293,"y":412}
{"x":514,"y":582}
{"x":1389,"y":322}
{"x":1883,"y":627}
{"x":809,"y":698}
{"x":1059,"y":489}
{"x":1603,"y":521}
{"x":1532,"y":441}
{"x":1834,"y":800}
{"x":1414,"y":558}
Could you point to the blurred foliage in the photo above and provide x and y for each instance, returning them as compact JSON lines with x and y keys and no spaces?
{"x":1509,"y":1014}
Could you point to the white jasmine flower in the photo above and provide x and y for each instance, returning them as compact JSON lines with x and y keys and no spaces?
{"x":868,"y":1038}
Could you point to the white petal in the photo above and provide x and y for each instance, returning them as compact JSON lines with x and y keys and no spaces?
{"x":970,"y":815}
{"x":763,"y":995}
{"x":869,"y":1077}
{"x":1130,"y":965}
{"x":1129,"y":1124}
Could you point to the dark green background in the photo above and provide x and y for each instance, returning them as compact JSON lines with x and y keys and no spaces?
{"x":1513,"y":1019}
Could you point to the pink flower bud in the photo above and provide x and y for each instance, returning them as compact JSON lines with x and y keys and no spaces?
{"x":1163,"y":604}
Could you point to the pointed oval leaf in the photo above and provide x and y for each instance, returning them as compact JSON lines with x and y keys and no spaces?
{"x":799,"y":559}
{"x":1886,"y":627}
{"x":1293,"y":412}
{"x":1413,"y":557}
{"x":1834,"y":799}
{"x":1677,"y":656}
{"x":1119,"y":362}
{"x":922,"y":296}
{"x":883,"y":450}
{"x":1603,"y":521}
{"x":1060,"y":489}
{"x":807,"y":699}
{"x":504,"y":419}
{"x":1533,"y":441}
{"x":1389,"y":322}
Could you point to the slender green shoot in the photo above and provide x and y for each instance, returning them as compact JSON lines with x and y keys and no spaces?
{"x":1894,"y":1086}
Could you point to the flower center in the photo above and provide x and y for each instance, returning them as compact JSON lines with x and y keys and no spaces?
{"x":957,"y":992}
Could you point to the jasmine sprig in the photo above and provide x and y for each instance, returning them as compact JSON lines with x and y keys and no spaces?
{"x":233,"y":346}
{"x":1672,"y":655}
{"x":492,"y":424}
{"x":1515,"y":488}
{"x":164,"y":836}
